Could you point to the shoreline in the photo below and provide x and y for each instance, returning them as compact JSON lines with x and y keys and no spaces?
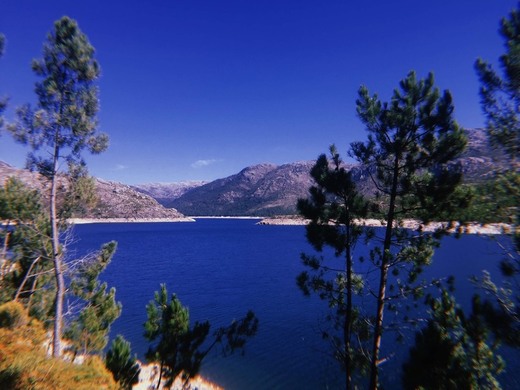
{"x":82,"y":221}
{"x":149,"y":375}
{"x":469,"y":228}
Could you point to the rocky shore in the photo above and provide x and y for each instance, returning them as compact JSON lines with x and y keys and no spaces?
{"x":469,"y":228}
{"x":81,"y":221}
{"x":149,"y":375}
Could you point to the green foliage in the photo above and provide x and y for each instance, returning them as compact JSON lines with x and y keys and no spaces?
{"x":177,"y":346}
{"x":122,"y":364}
{"x":13,"y":315}
{"x":80,"y":196}
{"x":500,"y":100}
{"x":65,"y":119}
{"x":62,"y":126}
{"x":410,"y":141}
{"x":25,"y":258}
{"x":332,"y":208}
{"x":452,"y":351}
{"x":89,"y":331}
{"x":500,"y":96}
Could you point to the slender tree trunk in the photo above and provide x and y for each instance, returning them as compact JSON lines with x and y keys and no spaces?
{"x":160,"y":376}
{"x":56,"y":255}
{"x":348,"y":319}
{"x":385,"y":264}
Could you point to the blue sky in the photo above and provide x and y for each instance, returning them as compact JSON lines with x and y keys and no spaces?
{"x":199,"y":89}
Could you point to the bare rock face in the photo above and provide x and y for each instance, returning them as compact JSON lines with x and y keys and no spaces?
{"x":164,"y":193}
{"x":264,"y":189}
{"x":115,"y":200}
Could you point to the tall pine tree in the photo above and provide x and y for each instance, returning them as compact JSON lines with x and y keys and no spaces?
{"x":62,"y":126}
{"x":334,"y":208}
{"x":500,"y":100}
{"x":410,"y":141}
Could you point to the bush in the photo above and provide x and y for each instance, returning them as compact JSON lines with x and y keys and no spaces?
{"x":25,"y":365}
{"x":13,"y":315}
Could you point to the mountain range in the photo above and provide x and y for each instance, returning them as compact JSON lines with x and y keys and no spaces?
{"x":268,"y":189}
{"x":258,"y":190}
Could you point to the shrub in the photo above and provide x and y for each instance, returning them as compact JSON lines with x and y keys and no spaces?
{"x":13,"y":315}
{"x":25,"y":365}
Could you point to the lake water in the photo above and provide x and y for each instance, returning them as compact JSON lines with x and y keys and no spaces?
{"x":220,"y":268}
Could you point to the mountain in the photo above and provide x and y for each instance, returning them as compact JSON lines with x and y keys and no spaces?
{"x":264,"y":189}
{"x":115,"y":200}
{"x":165,"y":192}
{"x":268,"y":189}
{"x":259,"y":190}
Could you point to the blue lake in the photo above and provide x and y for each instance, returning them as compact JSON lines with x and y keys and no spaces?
{"x":220,"y":268}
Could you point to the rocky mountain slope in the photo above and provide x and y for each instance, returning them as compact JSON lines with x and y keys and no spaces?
{"x":115,"y":200}
{"x":260,"y":190}
{"x":165,"y":192}
{"x":267,"y":189}
{"x":264,"y":189}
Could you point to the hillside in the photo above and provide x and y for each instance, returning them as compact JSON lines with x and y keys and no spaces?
{"x":268,"y":189}
{"x":165,"y":192}
{"x":115,"y":200}
{"x":259,"y":190}
{"x":264,"y":189}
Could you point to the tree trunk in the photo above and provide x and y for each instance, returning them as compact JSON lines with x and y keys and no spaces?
{"x":378,"y":330}
{"x":160,"y":376}
{"x":348,"y":319}
{"x":57,"y":259}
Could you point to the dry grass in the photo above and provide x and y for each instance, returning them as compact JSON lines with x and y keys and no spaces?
{"x":24,"y":364}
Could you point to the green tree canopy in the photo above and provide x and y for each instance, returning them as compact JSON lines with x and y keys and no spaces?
{"x":332,"y":208}
{"x":123,"y":366}
{"x":453,"y":351}
{"x":411,"y":139}
{"x":62,"y":126}
{"x":88,"y":333}
{"x":500,"y":96}
{"x":178,"y":346}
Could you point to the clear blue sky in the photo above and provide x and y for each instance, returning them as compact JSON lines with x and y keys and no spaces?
{"x":199,"y":89}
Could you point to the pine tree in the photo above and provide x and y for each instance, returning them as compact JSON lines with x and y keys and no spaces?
{"x":25,"y":256}
{"x":453,"y":351}
{"x":62,"y":126}
{"x":177,"y":346}
{"x":99,"y":309}
{"x":123,"y":366}
{"x":333,"y":207}
{"x":500,"y":96}
{"x":410,"y":141}
{"x":500,"y":101}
